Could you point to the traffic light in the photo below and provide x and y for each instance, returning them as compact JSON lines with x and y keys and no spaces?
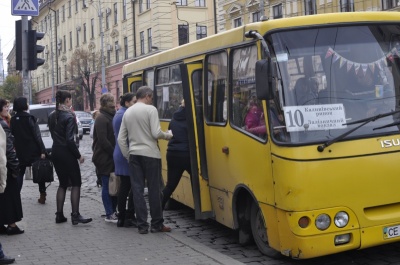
{"x":34,"y":49}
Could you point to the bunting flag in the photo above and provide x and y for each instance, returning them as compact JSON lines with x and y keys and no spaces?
{"x":380,"y":63}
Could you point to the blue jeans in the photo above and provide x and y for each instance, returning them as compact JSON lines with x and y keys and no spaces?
{"x":109,"y":202}
{"x":142,"y":167}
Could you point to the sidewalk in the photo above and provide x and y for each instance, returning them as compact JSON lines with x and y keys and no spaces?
{"x":45,"y":242}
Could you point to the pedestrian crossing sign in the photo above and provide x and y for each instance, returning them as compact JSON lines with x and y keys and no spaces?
{"x":25,"y":8}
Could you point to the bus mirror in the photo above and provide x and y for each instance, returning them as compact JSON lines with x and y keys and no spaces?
{"x":264,"y":79}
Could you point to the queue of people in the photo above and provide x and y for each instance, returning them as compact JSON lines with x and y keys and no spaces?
{"x":124,"y":142}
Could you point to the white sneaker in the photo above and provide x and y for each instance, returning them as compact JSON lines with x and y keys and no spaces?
{"x":113,"y":218}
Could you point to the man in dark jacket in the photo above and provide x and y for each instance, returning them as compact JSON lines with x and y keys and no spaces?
{"x":27,"y":142}
{"x":178,"y":155}
{"x":103,"y":149}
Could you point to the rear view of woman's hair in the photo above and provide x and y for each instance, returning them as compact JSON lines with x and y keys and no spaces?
{"x":125,"y":98}
{"x":61,"y":96}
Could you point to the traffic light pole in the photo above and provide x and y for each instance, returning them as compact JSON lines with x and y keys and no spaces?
{"x":27,"y":90}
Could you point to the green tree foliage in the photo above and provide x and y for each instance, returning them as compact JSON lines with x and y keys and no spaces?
{"x":11,"y":88}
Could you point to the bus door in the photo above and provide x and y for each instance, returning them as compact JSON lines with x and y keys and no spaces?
{"x":193,"y":89}
{"x":132,"y":83}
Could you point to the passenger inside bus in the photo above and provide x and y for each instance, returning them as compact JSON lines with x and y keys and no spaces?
{"x":254,"y":120}
{"x":306,"y":91}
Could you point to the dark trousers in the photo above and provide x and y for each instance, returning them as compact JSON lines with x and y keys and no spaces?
{"x":177,"y":163}
{"x":124,"y":192}
{"x":20,"y":180}
{"x":141,"y":168}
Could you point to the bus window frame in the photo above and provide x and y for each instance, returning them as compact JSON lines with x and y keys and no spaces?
{"x":205,"y":87}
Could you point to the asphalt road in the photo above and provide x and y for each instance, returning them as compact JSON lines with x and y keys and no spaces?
{"x":224,"y":240}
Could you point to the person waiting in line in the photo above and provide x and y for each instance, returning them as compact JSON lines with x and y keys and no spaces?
{"x":141,"y":127}
{"x":10,"y":200}
{"x":178,"y":155}
{"x":28,"y":142}
{"x":3,"y":176}
{"x":125,"y":218}
{"x":6,"y":116}
{"x":94,"y":116}
{"x":65,"y":155}
{"x":103,"y":149}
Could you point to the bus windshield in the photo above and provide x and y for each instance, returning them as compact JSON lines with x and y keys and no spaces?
{"x":329,"y":78}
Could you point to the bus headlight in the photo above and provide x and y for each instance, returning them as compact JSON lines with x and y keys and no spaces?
{"x":341,"y":219}
{"x":323,"y":221}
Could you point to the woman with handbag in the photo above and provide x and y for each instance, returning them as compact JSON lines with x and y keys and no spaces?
{"x":28,"y":142}
{"x":65,"y":155}
{"x":10,"y":200}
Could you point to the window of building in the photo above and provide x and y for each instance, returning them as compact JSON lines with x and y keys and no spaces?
{"x":84,"y":32}
{"x":148,"y":4}
{"x":126,"y":48}
{"x":346,"y":5}
{"x":115,"y":13}
{"x":237,"y":22}
{"x":117,"y":88}
{"x":124,"y":11}
{"x":58,"y":17}
{"x":117,"y":52}
{"x":140,"y":6}
{"x":63,"y":13}
{"x":183,"y":32}
{"x":107,"y":20}
{"x":142,"y":42}
{"x":70,"y":40}
{"x":43,"y":81}
{"x":77,"y":36}
{"x":92,"y":28}
{"x":311,"y":7}
{"x":76,"y":6}
{"x":200,"y":3}
{"x":216,"y":87}
{"x":169,"y":91}
{"x":65,"y":43}
{"x":84,"y":4}
{"x":181,"y":3}
{"x":388,"y":4}
{"x":277,"y":11}
{"x":201,"y":32}
{"x":256,"y":16}
{"x":108,"y":57}
{"x":59,"y":75}
{"x":69,"y":8}
{"x":65,"y":72}
{"x":149,"y":40}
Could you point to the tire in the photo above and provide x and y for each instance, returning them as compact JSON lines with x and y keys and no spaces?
{"x":259,"y":232}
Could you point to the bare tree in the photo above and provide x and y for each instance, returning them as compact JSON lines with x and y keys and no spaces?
{"x":85,"y":69}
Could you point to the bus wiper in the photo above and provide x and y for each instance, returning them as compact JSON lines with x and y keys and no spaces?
{"x":321,"y":147}
{"x":388,"y":125}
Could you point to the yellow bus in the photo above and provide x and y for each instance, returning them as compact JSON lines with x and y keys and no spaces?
{"x":293,"y":129}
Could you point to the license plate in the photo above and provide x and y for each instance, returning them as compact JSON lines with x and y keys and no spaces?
{"x":391,"y":231}
{"x":44,"y":134}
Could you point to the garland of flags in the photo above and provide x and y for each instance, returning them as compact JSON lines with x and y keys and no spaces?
{"x":380,"y":63}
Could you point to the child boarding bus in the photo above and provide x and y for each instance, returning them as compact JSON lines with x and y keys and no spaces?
{"x":293,"y":129}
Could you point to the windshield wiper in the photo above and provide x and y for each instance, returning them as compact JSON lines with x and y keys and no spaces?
{"x":388,"y":125}
{"x":321,"y":147}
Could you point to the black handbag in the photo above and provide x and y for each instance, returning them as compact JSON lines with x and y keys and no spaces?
{"x":42,"y":171}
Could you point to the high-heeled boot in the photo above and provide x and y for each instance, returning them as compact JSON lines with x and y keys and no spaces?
{"x":42,"y":199}
{"x":60,"y":218}
{"x":77,"y":218}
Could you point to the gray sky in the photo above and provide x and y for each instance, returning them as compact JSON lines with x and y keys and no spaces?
{"x":7,"y":29}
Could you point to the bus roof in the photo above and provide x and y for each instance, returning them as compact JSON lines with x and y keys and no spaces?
{"x":236,"y":36}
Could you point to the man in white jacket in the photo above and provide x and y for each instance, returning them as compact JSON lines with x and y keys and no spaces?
{"x":3,"y":178}
{"x":141,"y":126}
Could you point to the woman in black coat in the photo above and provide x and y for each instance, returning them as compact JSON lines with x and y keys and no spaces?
{"x":10,"y":200}
{"x":28,"y":142}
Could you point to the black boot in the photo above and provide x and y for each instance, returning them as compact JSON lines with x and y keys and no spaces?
{"x":77,"y":218}
{"x":121,"y":220}
{"x":60,"y":218}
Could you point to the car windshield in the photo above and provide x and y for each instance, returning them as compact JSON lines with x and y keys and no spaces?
{"x":82,"y":114}
{"x":334,"y":76}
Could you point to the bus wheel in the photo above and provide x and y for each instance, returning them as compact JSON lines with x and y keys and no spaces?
{"x":260,"y":233}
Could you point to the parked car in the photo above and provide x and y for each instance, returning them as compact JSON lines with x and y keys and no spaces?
{"x":85,"y":119}
{"x":80,"y":128}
